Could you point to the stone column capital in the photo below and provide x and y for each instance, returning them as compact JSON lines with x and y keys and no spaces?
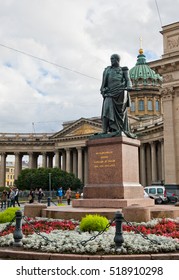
{"x":3,"y":154}
{"x":152,"y":143}
{"x":161,"y":140}
{"x":167,"y":93}
{"x":79,"y":149}
{"x":18,"y":154}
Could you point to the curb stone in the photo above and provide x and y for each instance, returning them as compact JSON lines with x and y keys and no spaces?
{"x":20,"y":254}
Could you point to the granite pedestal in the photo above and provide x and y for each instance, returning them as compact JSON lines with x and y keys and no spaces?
{"x":113,"y":174}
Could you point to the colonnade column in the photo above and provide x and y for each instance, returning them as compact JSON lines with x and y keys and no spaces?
{"x":44,"y":160}
{"x":75,"y":162}
{"x":169,"y":101}
{"x":60,"y":160}
{"x":57,"y":158}
{"x":18,"y":165}
{"x":31,"y":160}
{"x":85,"y":166}
{"x":162,"y":161}
{"x":63,"y":160}
{"x":148,"y":160}
{"x":79,"y":163}
{"x":67,"y":159}
{"x":154,"y":162}
{"x":142,"y":166}
{"x":159,"y":161}
{"x":3,"y":170}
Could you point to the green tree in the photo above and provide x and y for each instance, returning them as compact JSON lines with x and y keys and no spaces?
{"x":39,"y":178}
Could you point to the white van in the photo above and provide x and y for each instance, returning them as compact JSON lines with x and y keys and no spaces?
{"x":157,"y":192}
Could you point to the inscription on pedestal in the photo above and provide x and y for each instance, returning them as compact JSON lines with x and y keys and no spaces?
{"x":104,"y":164}
{"x":104,"y":160}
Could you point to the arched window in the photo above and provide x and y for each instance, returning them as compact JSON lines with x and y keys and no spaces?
{"x":157,"y":105}
{"x":132,"y":106}
{"x":141,"y":105}
{"x":149,"y":105}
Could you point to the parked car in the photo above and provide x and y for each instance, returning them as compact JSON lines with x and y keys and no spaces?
{"x":158,"y":193}
{"x":172,"y":197}
{"x":146,"y":194}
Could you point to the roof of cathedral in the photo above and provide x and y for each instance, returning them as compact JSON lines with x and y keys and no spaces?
{"x":142,"y":75}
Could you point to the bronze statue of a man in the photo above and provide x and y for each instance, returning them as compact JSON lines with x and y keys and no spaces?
{"x":115,"y":88}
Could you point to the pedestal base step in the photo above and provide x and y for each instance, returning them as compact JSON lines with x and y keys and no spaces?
{"x":145,"y":214}
{"x":111,"y":203}
{"x":69,"y":212}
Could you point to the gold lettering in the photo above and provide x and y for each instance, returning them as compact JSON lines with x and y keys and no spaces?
{"x":103,"y":160}
{"x":103,"y":153}
{"x":104,"y":157}
{"x":98,"y":161}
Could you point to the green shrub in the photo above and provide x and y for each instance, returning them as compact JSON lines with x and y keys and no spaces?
{"x":7,"y":215}
{"x":93,"y":223}
{"x":61,"y":204}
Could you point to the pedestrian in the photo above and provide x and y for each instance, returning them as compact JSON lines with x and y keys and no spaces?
{"x":12,"y":197}
{"x":3,"y":199}
{"x":59,"y":195}
{"x":77,"y":195}
{"x":31,"y":196}
{"x":8,"y":198}
{"x":68,"y":196}
{"x":16,"y":199}
{"x":40,"y":194}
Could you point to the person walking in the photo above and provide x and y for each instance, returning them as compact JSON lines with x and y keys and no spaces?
{"x":77,"y":195}
{"x":16,"y":198}
{"x":31,"y":196}
{"x":68,"y":196}
{"x":59,"y":195}
{"x":4,"y":199}
{"x":12,"y":197}
{"x":40,"y":194}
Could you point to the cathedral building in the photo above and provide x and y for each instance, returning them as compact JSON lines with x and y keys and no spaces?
{"x":153,"y":117}
{"x":146,"y":120}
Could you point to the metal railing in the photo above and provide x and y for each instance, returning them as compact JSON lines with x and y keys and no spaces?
{"x":118,"y":238}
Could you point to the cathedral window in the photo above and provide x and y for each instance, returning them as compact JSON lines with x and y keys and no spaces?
{"x":141,"y":105}
{"x":149,"y":105}
{"x":157,"y":105}
{"x":133,"y":106}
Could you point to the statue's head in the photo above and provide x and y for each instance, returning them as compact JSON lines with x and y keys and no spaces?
{"x":115,"y":59}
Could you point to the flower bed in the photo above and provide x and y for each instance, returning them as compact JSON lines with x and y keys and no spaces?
{"x":66,"y":237}
{"x":32,"y":226}
{"x":164,"y":227}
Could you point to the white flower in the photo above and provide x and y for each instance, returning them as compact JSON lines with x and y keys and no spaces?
{"x":72,"y":241}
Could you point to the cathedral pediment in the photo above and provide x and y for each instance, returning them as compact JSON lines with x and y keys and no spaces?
{"x":83,"y":130}
{"x":81,"y":127}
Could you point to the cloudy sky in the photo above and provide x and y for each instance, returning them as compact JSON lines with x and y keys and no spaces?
{"x":53,"y":52}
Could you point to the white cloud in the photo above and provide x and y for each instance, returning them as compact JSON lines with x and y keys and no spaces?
{"x":76,"y":36}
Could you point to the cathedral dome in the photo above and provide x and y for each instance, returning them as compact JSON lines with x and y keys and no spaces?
{"x":142,"y":75}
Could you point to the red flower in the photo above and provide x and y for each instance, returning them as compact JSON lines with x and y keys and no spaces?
{"x":164,"y":227}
